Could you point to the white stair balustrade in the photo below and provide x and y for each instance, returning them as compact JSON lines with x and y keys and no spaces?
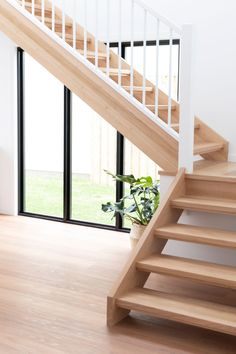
{"x":69,"y":36}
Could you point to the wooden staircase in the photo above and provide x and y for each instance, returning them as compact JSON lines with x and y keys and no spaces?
{"x":126,"y":118}
{"x":208,"y":194}
{"x":201,"y":193}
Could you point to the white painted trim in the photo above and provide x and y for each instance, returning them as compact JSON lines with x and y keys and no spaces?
{"x":186,"y":118}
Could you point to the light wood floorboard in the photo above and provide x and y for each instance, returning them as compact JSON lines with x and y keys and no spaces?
{"x":54,"y":279}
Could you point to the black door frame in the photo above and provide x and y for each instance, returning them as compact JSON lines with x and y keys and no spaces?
{"x":67,"y":175}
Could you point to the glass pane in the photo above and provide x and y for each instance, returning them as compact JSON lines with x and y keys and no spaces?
{"x":138,"y":164}
{"x":164,"y":53}
{"x":43,"y":141}
{"x":93,"y":151}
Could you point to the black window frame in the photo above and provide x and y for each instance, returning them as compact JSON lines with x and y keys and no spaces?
{"x":67,"y":173}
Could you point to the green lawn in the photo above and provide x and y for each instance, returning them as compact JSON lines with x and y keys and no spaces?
{"x":44,"y":195}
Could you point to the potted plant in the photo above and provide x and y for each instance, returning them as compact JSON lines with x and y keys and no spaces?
{"x":138,"y":205}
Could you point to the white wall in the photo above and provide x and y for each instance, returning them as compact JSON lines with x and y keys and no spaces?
{"x":8,"y":125}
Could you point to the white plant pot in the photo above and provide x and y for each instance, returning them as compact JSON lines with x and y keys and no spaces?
{"x":136,"y":233}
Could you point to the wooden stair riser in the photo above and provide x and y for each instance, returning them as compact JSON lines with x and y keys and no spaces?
{"x":215,"y":188}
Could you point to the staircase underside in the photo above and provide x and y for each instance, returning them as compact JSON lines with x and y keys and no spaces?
{"x":155,"y":142}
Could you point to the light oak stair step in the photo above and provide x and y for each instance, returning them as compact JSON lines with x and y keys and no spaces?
{"x":69,"y":38}
{"x":48,"y":20}
{"x":161,"y":107}
{"x":138,"y":88}
{"x":206,"y":148}
{"x":175,"y":126}
{"x":37,"y":7}
{"x":115,"y":72}
{"x":206,"y":204}
{"x":197,"y":234}
{"x":205,"y":272}
{"x":186,"y":310}
{"x":91,"y":55}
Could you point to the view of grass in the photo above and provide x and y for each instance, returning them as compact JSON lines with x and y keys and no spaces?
{"x":44,"y":195}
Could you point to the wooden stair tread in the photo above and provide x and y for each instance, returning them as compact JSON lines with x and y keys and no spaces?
{"x":56,"y":21}
{"x":115,"y":72}
{"x":183,"y":309}
{"x":138,"y":88}
{"x":161,"y":107}
{"x":91,"y":54}
{"x":175,"y":126}
{"x":69,"y":37}
{"x":224,"y":206}
{"x":206,"y":148}
{"x":36,"y":6}
{"x":209,"y":273}
{"x":197,"y":234}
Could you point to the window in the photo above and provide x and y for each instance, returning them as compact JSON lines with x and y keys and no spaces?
{"x":43,"y":160}
{"x":64,"y":146}
{"x":93,"y":151}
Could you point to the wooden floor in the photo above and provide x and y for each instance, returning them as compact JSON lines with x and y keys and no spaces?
{"x":54,"y":279}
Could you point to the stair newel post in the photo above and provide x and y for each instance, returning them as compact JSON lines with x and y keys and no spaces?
{"x":186,"y":123}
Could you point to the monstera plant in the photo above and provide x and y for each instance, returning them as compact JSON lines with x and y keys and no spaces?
{"x":138,"y":205}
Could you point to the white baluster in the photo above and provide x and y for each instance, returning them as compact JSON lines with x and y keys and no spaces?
{"x":43,"y":11}
{"x":85,"y":29}
{"x":63,"y":21}
{"x":144,"y":57}
{"x":53,"y":15}
{"x":119,"y":44}
{"x":96,"y":33}
{"x":74,"y":23}
{"x":170,"y":80}
{"x":23,"y":3}
{"x":108,"y":37}
{"x":157,"y":68}
{"x":132,"y":50}
{"x":33,"y":7}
